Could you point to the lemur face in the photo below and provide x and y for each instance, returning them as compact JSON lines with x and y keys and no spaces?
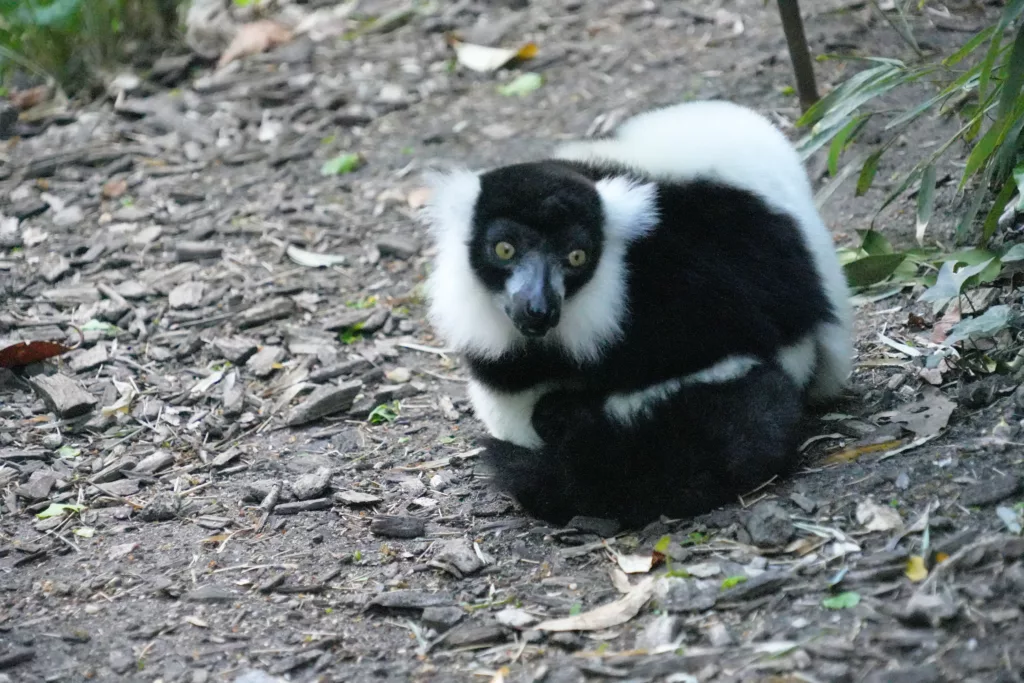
{"x":536,"y":239}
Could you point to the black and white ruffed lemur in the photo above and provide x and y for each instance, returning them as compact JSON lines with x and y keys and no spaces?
{"x":645,"y":317}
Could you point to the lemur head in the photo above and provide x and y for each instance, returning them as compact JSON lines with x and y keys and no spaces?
{"x":536,"y":239}
{"x":533,"y":251}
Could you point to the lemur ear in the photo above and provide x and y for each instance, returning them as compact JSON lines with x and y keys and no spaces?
{"x":630,"y":207}
{"x":453,"y":197}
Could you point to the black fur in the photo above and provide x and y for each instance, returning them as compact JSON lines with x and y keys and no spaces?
{"x":721,"y":274}
{"x":697,"y":450}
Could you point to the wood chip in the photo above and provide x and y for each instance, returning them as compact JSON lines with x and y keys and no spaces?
{"x":63,"y":395}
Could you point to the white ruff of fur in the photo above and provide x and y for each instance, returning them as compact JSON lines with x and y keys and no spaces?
{"x":508,"y":416}
{"x":467,"y":316}
{"x":735,"y":145}
{"x":625,"y":408}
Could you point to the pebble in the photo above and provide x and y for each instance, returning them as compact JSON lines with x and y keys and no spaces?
{"x":163,"y":506}
{"x":769,"y":525}
{"x":312,"y":485}
{"x":460,"y":555}
{"x":442,"y":618}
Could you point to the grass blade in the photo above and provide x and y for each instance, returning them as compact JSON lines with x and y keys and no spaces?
{"x":925,"y":201}
{"x":845,"y":136}
{"x":868,"y":171}
{"x":1014,"y":75}
{"x":969,"y":47}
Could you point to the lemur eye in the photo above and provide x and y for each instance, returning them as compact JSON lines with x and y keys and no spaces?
{"x":577,"y":258}
{"x":504,"y":250}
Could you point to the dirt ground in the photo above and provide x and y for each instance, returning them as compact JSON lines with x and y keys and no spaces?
{"x":255,"y":505}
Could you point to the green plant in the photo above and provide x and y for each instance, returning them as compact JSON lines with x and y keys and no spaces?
{"x":67,"y":41}
{"x":981,"y":82}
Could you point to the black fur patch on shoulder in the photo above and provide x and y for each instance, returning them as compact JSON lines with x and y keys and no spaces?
{"x":698,"y":450}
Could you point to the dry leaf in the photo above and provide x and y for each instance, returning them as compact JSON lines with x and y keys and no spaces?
{"x":620,"y":580}
{"x":311,"y":259}
{"x":112,"y":189}
{"x":927,"y":416}
{"x":875,"y":517}
{"x":31,"y":97}
{"x":25,"y":353}
{"x":606,"y":616}
{"x":916,"y":571}
{"x":196,"y":621}
{"x":484,"y":59}
{"x":635,"y":564}
{"x":253,"y":38}
{"x":854,"y":452}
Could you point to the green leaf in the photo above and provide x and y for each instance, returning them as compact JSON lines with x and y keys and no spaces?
{"x":384,"y":413}
{"x":1014,"y":253}
{"x":982,"y":327}
{"x":925,"y":201}
{"x":341,"y":164}
{"x":844,"y":600}
{"x":1018,"y":178}
{"x":733,"y":581}
{"x":839,"y":143}
{"x":68,"y":452}
{"x":991,"y":222}
{"x":868,"y":171}
{"x":969,"y":47}
{"x":874,"y":243}
{"x":100,"y":326}
{"x":662,"y":545}
{"x":872,"y":269}
{"x":1014,"y":75}
{"x":950,"y":283}
{"x":523,"y":84}
{"x":58,"y":509}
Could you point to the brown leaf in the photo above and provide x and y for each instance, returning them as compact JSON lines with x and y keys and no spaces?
{"x":25,"y":353}
{"x":113,"y":189}
{"x":26,"y":99}
{"x":253,"y":38}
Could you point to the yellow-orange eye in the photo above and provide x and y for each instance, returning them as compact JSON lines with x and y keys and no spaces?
{"x":577,"y":258}
{"x":504,"y":250}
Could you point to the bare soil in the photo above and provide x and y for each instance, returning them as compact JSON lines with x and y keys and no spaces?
{"x":228,"y":533}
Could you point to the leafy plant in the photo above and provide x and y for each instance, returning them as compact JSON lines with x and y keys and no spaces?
{"x":385,"y":412}
{"x":987,"y":96}
{"x":67,"y":41}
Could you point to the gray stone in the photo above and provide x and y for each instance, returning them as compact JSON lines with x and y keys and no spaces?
{"x":769,"y":525}
{"x":442,"y":618}
{"x":990,"y":491}
{"x":460,"y":555}
{"x":210,"y":593}
{"x":328,"y":399}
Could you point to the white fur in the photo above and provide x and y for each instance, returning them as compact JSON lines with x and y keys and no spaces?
{"x":627,"y":407}
{"x":733,"y":144}
{"x":508,"y":416}
{"x":468,"y":317}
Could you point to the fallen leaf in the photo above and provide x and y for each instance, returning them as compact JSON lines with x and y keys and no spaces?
{"x":112,"y":189}
{"x":215,"y":539}
{"x":68,"y":452}
{"x":84,"y":532}
{"x":28,"y":98}
{"x":485,"y":59}
{"x":57,"y":509}
{"x":25,"y":353}
{"x":733,"y":581}
{"x":311,"y":259}
{"x":605,"y":616}
{"x":875,"y":517}
{"x":620,"y":580}
{"x":916,"y":571}
{"x":984,"y":326}
{"x":704,"y":570}
{"x":122,"y":550}
{"x":950,"y":282}
{"x":343,"y":163}
{"x":927,"y":416}
{"x":842,"y":600}
{"x":196,"y":621}
{"x":522,"y":85}
{"x":1011,"y":518}
{"x":253,"y":38}
{"x":854,"y":452}
{"x":635,"y":564}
